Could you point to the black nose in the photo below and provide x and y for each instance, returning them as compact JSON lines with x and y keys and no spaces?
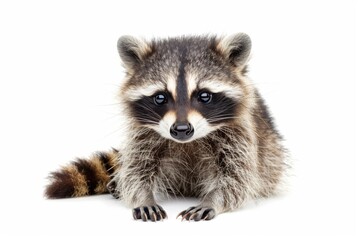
{"x":182,"y":131}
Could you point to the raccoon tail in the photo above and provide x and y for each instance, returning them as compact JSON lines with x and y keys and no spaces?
{"x":83,"y":177}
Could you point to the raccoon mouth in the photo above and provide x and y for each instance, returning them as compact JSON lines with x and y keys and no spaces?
{"x":182,"y":131}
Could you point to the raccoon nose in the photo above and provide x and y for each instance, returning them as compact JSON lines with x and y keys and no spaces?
{"x":181,"y":131}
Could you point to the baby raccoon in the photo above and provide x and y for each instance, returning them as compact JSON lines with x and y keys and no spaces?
{"x":196,"y":127}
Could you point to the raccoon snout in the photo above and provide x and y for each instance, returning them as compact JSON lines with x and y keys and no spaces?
{"x":182,"y":131}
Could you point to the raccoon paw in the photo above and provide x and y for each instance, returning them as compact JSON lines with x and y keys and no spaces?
{"x":197,"y":213}
{"x":111,"y":187}
{"x":152,"y":213}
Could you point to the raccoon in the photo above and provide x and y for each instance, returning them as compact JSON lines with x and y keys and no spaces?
{"x":197,"y":127}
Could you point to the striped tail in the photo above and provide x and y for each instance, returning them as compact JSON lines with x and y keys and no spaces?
{"x":83,"y":177}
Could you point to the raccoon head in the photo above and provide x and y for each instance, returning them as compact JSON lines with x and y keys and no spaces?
{"x":184,"y":88}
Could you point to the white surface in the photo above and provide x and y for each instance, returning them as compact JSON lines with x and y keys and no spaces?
{"x":58,"y":81}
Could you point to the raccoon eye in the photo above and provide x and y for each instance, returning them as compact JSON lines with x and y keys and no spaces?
{"x":160,"y":99}
{"x":204,"y":97}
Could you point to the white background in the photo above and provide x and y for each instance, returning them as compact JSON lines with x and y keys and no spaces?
{"x":59,"y":74}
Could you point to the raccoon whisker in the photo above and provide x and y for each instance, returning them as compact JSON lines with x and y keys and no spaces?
{"x":213,"y":120}
{"x":220,"y":115}
{"x":149,"y":110}
{"x":220,"y":112}
{"x":147,"y":120}
{"x":216,"y":119}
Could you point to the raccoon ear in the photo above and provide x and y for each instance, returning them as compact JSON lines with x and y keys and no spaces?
{"x":132,"y":51}
{"x":236,"y":48}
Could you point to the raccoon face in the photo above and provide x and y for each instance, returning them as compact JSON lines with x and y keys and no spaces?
{"x":184,"y":88}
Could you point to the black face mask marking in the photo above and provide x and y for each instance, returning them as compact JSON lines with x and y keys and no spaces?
{"x":219,"y":109}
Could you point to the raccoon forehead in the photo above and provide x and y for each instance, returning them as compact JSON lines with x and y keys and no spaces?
{"x":231,"y":90}
{"x":134,"y":93}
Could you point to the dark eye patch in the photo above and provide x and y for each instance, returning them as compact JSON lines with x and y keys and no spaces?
{"x":220,"y":109}
{"x":151,"y":109}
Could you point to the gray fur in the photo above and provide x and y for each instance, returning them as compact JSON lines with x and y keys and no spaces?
{"x":239,"y":160}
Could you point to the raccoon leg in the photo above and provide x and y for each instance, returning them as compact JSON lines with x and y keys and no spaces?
{"x":213,"y":204}
{"x":225,"y":186}
{"x":224,"y":194}
{"x":83,"y":176}
{"x":228,"y":191}
{"x":135,"y":181}
{"x":147,"y":209}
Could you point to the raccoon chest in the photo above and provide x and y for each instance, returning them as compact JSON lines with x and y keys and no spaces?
{"x":177,"y":177}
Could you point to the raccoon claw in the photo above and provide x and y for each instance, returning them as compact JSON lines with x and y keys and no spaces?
{"x":111,"y":187}
{"x":197,"y":214}
{"x":151,"y":213}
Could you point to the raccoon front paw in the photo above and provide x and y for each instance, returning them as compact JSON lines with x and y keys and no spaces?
{"x":152,"y":213}
{"x":111,"y":187}
{"x":197,"y":213}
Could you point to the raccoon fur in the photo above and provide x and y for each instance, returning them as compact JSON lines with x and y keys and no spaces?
{"x":196,"y":127}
